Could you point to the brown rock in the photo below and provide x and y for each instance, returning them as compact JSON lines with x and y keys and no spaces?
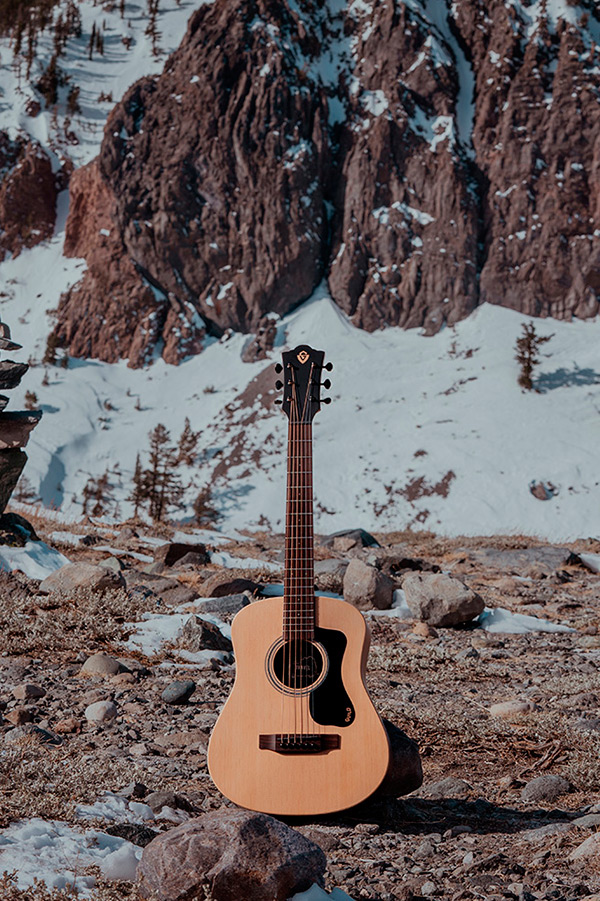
{"x":82,"y":575}
{"x":15,"y":428}
{"x":424,"y":630}
{"x":199,"y":635}
{"x":19,"y":716}
{"x":221,"y":584}
{"x":440,"y":600}
{"x":12,"y":463}
{"x":366,"y":587}
{"x":171,"y":553}
{"x":28,"y":191}
{"x":28,"y":691}
{"x":233,"y":854}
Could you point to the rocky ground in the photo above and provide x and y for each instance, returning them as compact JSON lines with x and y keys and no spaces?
{"x":510,"y":804}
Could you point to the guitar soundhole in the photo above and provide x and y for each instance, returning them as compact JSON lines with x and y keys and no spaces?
{"x":297,"y":665}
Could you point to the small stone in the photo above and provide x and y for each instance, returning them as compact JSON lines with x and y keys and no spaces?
{"x":134,"y":790}
{"x":427,"y":889}
{"x":441,"y":600}
{"x":545,"y":788}
{"x":28,"y":691}
{"x":171,"y":553}
{"x":425,"y":630}
{"x":101,"y":665}
{"x":226,"y":605}
{"x":542,"y":832}
{"x":157,"y":800}
{"x":19,"y":716}
{"x":135,"y":833}
{"x":366,"y":587}
{"x":512,"y":711}
{"x":67,"y":726}
{"x":74,"y":576}
{"x":468,"y":859}
{"x":178,"y":692}
{"x":101,"y":712}
{"x":450,"y":787}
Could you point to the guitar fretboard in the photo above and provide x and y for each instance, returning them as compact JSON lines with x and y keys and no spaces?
{"x":299,"y":595}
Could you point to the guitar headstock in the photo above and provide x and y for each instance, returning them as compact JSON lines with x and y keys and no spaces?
{"x":302,"y":368}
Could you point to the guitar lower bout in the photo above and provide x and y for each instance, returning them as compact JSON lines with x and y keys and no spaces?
{"x":299,"y":734}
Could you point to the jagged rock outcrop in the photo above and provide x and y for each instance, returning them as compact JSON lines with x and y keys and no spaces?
{"x":423,"y":157}
{"x":28,"y":191}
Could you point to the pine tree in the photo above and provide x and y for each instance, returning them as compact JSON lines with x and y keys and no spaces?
{"x":163,"y":484}
{"x":92,"y":41}
{"x":138,"y":493}
{"x":204,"y":512}
{"x":152,"y":28}
{"x":31,"y":400}
{"x":188,"y":444}
{"x":51,"y":348}
{"x":528,"y":354}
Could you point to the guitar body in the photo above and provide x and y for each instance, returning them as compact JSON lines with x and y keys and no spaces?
{"x":324,"y":747}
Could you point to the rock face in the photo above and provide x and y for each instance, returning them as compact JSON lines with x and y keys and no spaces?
{"x":424,"y":158}
{"x":28,"y":191}
{"x":440,"y":600}
{"x":232,"y":853}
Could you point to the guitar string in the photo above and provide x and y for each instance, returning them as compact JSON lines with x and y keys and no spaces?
{"x":304,"y":697}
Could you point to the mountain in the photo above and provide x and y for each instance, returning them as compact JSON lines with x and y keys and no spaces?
{"x":416,"y":166}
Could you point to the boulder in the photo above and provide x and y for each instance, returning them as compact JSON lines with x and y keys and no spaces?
{"x":15,"y":428}
{"x":221,"y":583}
{"x":179,"y":691}
{"x":171,"y":553}
{"x":349,"y":538}
{"x":75,"y":576}
{"x":231,"y":855}
{"x":199,"y":635}
{"x":545,"y":788}
{"x":366,"y":587}
{"x":101,"y":712}
{"x":441,"y":600}
{"x":101,"y":665}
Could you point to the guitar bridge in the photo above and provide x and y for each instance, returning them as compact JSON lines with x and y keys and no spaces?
{"x":284,"y":743}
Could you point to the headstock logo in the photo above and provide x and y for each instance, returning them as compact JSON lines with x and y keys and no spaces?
{"x":303,"y":356}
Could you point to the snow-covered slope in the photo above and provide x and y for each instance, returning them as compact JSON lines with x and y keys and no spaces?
{"x":424,"y":432}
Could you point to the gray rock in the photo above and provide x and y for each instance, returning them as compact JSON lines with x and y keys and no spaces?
{"x":513,"y":710}
{"x":545,"y":788}
{"x":180,"y":594}
{"x":112,"y":563}
{"x":450,"y":787}
{"x":101,"y":665}
{"x":358,"y":537}
{"x":30,"y":730}
{"x":589,"y":821}
{"x":157,"y":800}
{"x":233,"y":854}
{"x":441,"y":600}
{"x":543,"y":559}
{"x":220,"y":584}
{"x":543,"y":832}
{"x":366,"y":587}
{"x":82,"y":575}
{"x":589,"y":848}
{"x":226,"y":605}
{"x":587,"y":724}
{"x":200,"y":635}
{"x":179,"y":692}
{"x":101,"y":712}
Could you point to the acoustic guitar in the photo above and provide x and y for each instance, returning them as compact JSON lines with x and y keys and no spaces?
{"x":299,"y":734}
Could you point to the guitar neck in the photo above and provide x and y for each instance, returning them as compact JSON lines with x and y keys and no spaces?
{"x":299,"y":595}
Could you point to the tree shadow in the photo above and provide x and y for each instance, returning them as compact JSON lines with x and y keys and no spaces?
{"x":565,"y":378}
{"x":421,"y":816}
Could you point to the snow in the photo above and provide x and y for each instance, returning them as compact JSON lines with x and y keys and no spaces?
{"x":222,"y":558}
{"x":57,"y":854}
{"x":156,"y":629}
{"x":315,"y":893}
{"x":36,"y":560}
{"x":501,"y":620}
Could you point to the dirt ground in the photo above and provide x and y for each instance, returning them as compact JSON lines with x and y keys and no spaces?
{"x":467,"y":833}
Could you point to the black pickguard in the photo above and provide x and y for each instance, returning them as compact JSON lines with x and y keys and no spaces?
{"x":329,"y":703}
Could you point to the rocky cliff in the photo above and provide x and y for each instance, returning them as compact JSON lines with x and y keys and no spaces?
{"x":425,"y":157}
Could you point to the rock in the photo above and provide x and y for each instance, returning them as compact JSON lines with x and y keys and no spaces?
{"x":351,"y":538}
{"x":12,"y":464}
{"x":101,"y":665}
{"x":544,"y":559}
{"x":542,"y":833}
{"x":226,"y":605}
{"x":405,"y":773}
{"x":262,"y":342}
{"x":132,"y":832}
{"x":513,"y":711}
{"x":590,"y":848}
{"x":75,"y":576}
{"x":587,"y":724}
{"x":200,"y":634}
{"x":545,"y":788}
{"x":178,"y":692}
{"x":112,"y":563}
{"x":234,"y":854}
{"x":425,"y":631}
{"x":450,"y":787}
{"x":182,"y":594}
{"x":441,"y":600}
{"x":28,"y":691}
{"x":31,"y":731}
{"x":159,"y":799}
{"x":221,"y":584}
{"x":67,"y":726}
{"x":19,"y":716}
{"x":11,"y":374}
{"x":173,"y":552}
{"x":366,"y":587}
{"x":101,"y":712}
{"x":15,"y":428}
{"x":589,"y":821}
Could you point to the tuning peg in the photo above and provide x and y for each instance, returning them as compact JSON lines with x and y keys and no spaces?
{"x":278,"y":367}
{"x":325,"y":400}
{"x":328,"y":367}
{"x":326,"y":384}
{"x":279,"y":384}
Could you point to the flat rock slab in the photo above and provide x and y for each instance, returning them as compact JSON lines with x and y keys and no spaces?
{"x":519,"y":562}
{"x":441,"y":600}
{"x":230,"y":855}
{"x":82,"y":575}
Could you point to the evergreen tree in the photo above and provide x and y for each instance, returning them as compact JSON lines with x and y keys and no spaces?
{"x":527,"y":354}
{"x":204,"y":512}
{"x":162,"y":482}
{"x":187,"y":445}
{"x":138,"y":493}
{"x":51,"y":348}
{"x":152,"y":28}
